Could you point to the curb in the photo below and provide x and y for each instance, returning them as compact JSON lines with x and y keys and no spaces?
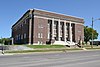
{"x":6,"y":54}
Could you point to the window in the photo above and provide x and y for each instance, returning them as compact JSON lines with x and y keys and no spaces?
{"x":24,"y":35}
{"x":25,"y":21}
{"x":40,"y":26}
{"x":21,"y":36}
{"x":39,"y":42}
{"x":40,"y":35}
{"x":22,"y":24}
{"x":16,"y":37}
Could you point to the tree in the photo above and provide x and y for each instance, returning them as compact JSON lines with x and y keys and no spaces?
{"x":5,"y":41}
{"x":88,"y":34}
{"x":0,"y":41}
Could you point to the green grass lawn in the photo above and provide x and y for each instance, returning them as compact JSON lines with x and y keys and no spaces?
{"x":46,"y":50}
{"x":89,"y":46}
{"x":41,"y":48}
{"x":46,"y":46}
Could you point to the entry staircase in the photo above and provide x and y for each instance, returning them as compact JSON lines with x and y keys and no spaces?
{"x":68,"y":43}
{"x":64,"y":43}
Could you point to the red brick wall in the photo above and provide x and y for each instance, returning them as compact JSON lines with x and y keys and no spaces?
{"x":21,"y":28}
{"x":79,"y":32}
{"x":40,"y":22}
{"x":55,"y":15}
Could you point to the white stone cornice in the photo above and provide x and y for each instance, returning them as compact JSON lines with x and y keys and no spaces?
{"x":58,"y":19}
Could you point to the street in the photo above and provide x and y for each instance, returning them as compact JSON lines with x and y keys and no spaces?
{"x":61,"y":59}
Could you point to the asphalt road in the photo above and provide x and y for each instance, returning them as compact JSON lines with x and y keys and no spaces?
{"x":64,"y":59}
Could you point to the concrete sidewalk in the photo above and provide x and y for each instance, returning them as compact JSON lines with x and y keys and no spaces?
{"x":5,"y":54}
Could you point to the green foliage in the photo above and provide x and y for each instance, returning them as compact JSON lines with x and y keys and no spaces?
{"x":88,"y":34}
{"x":5,"y":41}
{"x":0,"y":41}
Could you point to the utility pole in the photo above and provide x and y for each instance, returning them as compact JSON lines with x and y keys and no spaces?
{"x":92,"y":33}
{"x":92,"y":30}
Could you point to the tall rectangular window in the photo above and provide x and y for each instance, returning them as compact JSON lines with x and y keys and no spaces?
{"x":25,"y":21}
{"x":24,"y":35}
{"x":21,"y":36}
{"x":40,"y":35}
{"x":16,"y":37}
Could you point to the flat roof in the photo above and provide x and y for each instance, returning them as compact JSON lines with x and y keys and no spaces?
{"x":57,"y":13}
{"x":47,"y":12}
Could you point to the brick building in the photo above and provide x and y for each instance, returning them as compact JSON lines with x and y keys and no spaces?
{"x":41,"y":27}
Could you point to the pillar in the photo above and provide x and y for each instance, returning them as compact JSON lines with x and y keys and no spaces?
{"x":70,"y":31}
{"x":52,"y":28}
{"x":65,"y":31}
{"x":59,"y":30}
{"x":30,"y":28}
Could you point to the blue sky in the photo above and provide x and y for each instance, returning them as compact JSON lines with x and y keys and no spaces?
{"x":12,"y":10}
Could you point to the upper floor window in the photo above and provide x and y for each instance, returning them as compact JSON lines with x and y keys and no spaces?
{"x":40,"y":26}
{"x":25,"y":21}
